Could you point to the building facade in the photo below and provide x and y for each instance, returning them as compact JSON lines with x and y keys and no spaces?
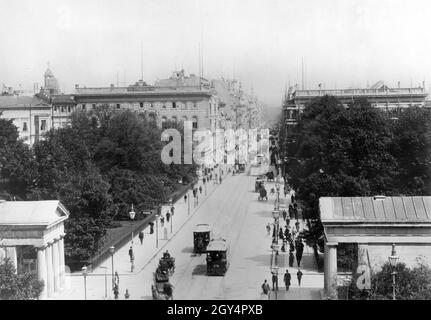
{"x":31,"y":115}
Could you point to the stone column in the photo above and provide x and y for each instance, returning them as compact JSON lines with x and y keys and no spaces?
{"x":331,"y":270}
{"x":56,"y":265}
{"x":41,"y":269}
{"x":62,"y":264}
{"x":50,"y":272}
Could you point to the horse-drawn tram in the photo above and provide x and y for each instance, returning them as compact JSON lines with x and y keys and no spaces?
{"x":217,"y":263}
{"x":201,"y":237}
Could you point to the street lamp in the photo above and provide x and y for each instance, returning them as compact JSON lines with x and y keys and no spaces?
{"x":172,"y":216}
{"x":132,"y":214}
{"x":393,"y":260}
{"x":111,"y":251}
{"x":157,"y":229}
{"x":84,"y":273}
{"x":275,"y":246}
{"x":106,"y":281}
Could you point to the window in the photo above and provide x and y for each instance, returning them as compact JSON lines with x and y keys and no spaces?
{"x":43,"y":125}
{"x":83,"y":107}
{"x":195,"y":105}
{"x":94,"y":106}
{"x":62,"y":109}
{"x":68,"y":109}
{"x":194,"y":122}
{"x":174,"y":119}
{"x":163,"y":122}
{"x":118,"y":106}
{"x":55,"y":109}
{"x":24,"y":126}
{"x":141,"y":104}
{"x":164,"y":105}
{"x":174,"y":104}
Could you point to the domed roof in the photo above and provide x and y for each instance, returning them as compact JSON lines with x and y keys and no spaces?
{"x":48,"y":73}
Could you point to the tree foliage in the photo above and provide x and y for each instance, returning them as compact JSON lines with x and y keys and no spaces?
{"x":14,"y":286}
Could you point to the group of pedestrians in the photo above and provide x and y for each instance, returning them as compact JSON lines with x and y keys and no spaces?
{"x":287,"y":279}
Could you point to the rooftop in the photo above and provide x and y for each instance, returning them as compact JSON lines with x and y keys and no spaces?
{"x":415,"y":209}
{"x":43,"y":213}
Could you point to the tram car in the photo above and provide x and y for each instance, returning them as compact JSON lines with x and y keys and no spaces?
{"x":201,"y":238}
{"x":217,"y":263}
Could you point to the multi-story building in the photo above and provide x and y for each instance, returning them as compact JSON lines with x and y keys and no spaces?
{"x":379,"y":95}
{"x":179,"y":98}
{"x":31,"y":115}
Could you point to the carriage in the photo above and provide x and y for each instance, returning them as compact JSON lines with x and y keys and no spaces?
{"x":166,"y":265}
{"x":262,"y":194}
{"x":258,"y":184}
{"x":161,"y":289}
{"x":217,"y":263}
{"x":201,"y":238}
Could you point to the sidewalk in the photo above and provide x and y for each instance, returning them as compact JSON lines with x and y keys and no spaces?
{"x":144,"y":253}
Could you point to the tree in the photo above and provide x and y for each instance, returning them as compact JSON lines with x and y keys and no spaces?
{"x":14,"y":286}
{"x":17,"y":165}
{"x":411,"y":283}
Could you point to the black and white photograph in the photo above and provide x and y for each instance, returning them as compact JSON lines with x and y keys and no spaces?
{"x":215,"y":150}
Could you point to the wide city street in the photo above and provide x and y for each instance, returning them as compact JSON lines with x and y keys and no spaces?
{"x":233,"y":211}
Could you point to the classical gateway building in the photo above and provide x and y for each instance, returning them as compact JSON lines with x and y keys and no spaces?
{"x":31,"y":236}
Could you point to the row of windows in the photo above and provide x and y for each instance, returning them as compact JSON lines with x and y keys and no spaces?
{"x":174,"y":105}
{"x":43,"y":126}
{"x":175,"y":119}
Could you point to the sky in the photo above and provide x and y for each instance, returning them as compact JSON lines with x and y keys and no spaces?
{"x":262,"y":43}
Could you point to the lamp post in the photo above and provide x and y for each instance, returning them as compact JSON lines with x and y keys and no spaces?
{"x":393,"y":260}
{"x":172,"y":216}
{"x":106,"y":281}
{"x":157,"y":229}
{"x":132,"y":214}
{"x":188,"y":203}
{"x":275,"y":246}
{"x":111,"y":251}
{"x":84,"y":273}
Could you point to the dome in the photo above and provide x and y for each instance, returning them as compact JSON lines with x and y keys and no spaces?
{"x":48,"y":73}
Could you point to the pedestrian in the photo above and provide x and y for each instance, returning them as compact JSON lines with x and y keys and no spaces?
{"x":295,"y":210}
{"x":116,"y":291}
{"x":268,"y":228}
{"x":292,"y":198}
{"x":297,"y":224}
{"x":274,"y":281}
{"x":200,"y":189}
{"x":162,"y":220}
{"x":284,"y":215}
{"x":220,"y":180}
{"x":292,"y":246}
{"x":299,"y":252}
{"x":127,"y":295}
{"x":151,"y":227}
{"x":131,"y":253}
{"x":290,"y":211}
{"x":168,"y":215}
{"x":280,"y":234}
{"x":172,"y":211}
{"x":141,"y":237}
{"x":265,"y":288}
{"x":204,"y":180}
{"x":299,"y":276}
{"x":185,"y":198}
{"x":291,"y":259}
{"x":287,"y":278}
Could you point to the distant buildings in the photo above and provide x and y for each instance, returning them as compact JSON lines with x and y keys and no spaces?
{"x":379,"y":95}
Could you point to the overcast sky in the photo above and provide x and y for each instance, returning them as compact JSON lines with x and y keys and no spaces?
{"x":344,"y":43}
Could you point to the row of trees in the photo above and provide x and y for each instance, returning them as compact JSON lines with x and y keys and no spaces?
{"x":97,"y":167}
{"x":358,"y":151}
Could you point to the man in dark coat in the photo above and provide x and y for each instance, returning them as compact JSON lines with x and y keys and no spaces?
{"x":287,"y":278}
{"x":274,"y":281}
{"x":299,"y":276}
{"x":291,"y":259}
{"x":284,"y":215}
{"x":141,"y":237}
{"x":299,"y":252}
